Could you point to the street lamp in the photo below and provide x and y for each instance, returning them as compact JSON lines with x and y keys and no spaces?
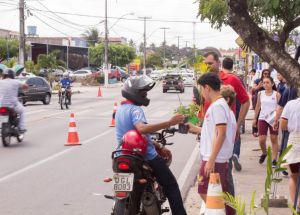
{"x":105,"y":67}
{"x":164,"y":28}
{"x":127,"y":14}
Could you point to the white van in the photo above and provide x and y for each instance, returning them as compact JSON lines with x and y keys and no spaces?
{"x":188,"y":78}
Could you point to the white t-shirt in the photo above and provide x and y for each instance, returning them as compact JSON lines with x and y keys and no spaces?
{"x":268,"y":104}
{"x":291,"y":112}
{"x":218,"y":113}
{"x":9,"y":92}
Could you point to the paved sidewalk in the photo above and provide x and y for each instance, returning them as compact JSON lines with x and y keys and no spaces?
{"x":252,"y":177}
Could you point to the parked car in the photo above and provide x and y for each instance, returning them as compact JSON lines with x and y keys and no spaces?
{"x":173,"y":81}
{"x":80,"y":74}
{"x":39,"y":90}
{"x":188,"y":79}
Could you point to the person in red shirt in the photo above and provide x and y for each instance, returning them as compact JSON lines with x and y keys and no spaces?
{"x":213,"y":61}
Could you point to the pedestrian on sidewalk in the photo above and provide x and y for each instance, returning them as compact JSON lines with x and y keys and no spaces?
{"x":215,"y":147}
{"x":264,"y":111}
{"x":290,"y":121}
{"x":289,"y":93}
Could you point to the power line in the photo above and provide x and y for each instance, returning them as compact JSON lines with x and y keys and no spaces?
{"x":124,"y":18}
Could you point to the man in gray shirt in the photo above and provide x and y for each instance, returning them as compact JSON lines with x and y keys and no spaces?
{"x":9,"y":88}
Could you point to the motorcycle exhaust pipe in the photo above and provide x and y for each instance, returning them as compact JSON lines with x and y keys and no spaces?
{"x":150,"y":203}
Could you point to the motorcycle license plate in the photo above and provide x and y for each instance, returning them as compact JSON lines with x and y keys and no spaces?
{"x":123,"y":182}
{"x":3,"y":119}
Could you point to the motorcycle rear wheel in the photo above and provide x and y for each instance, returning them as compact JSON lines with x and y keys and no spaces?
{"x":126,"y":206}
{"x":6,"y":140}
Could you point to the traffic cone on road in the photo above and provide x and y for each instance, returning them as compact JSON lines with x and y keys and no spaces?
{"x":73,"y":139}
{"x":113,"y":123}
{"x":214,"y":201}
{"x":99,"y":92}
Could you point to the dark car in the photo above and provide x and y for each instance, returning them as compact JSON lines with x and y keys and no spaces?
{"x":173,"y":82}
{"x":39,"y":90}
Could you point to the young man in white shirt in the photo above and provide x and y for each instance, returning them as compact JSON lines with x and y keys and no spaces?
{"x":215,"y":147}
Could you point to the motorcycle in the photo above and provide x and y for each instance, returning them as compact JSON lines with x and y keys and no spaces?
{"x":64,"y":99}
{"x":9,"y":121}
{"x":136,"y":191}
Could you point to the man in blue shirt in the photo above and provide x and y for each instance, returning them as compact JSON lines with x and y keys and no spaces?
{"x":65,"y":82}
{"x":130,"y":116}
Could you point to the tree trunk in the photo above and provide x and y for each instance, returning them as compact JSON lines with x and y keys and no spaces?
{"x":261,"y":43}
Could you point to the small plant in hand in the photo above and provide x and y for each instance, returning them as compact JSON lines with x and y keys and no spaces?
{"x":190,"y":112}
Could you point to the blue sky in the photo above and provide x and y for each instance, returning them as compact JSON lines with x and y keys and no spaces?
{"x":69,"y":25}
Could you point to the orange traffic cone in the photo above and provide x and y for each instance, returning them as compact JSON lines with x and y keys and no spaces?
{"x":73,"y":139}
{"x":113,"y":123}
{"x":214,"y":201}
{"x":99,"y":92}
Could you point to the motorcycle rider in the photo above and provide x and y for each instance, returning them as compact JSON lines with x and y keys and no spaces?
{"x":9,"y":88}
{"x":65,"y":82}
{"x":130,"y":116}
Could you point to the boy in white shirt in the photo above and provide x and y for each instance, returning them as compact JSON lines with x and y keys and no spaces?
{"x":217,"y":136}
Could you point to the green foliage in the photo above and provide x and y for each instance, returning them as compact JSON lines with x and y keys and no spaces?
{"x":50,"y":61}
{"x":31,"y":67}
{"x":11,"y":63}
{"x":11,"y":45}
{"x":154,"y":60}
{"x":118,"y":54}
{"x":190,"y":111}
{"x":92,"y":36}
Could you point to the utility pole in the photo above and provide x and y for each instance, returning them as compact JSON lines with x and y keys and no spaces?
{"x":164,"y":28}
{"x":194,"y":39}
{"x":186,"y":42}
{"x":105,"y":69}
{"x":145,"y":43}
{"x":22,"y":33}
{"x":178,"y":37}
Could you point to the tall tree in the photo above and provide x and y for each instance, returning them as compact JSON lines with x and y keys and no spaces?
{"x":248,"y":18}
{"x":92,"y":36}
{"x":8,"y":48}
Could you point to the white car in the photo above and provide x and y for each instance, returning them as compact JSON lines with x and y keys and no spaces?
{"x":188,"y":79}
{"x":80,"y":74}
{"x":155,"y":75}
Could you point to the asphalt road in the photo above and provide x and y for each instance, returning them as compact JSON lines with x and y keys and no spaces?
{"x":42,"y":176}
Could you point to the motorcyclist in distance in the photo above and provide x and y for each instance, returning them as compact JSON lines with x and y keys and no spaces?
{"x":9,"y":89}
{"x":65,"y":82}
{"x":130,"y":116}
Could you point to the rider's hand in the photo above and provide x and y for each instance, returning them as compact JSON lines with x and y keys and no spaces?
{"x":209,"y":167}
{"x":177,"y":119}
{"x":165,"y":153}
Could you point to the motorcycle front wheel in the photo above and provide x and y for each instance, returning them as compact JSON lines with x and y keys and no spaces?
{"x":66,"y":100}
{"x":61,"y":102}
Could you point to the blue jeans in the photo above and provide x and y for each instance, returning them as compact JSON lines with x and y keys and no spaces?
{"x":237,"y":147}
{"x":284,"y":141}
{"x":167,"y":180}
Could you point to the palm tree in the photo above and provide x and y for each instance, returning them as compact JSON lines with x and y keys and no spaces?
{"x":92,"y":36}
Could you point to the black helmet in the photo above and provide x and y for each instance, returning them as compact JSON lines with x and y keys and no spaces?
{"x":8,"y":73}
{"x":135,"y":89}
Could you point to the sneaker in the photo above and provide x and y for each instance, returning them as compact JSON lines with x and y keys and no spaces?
{"x":236,"y":163}
{"x":262,"y":158}
{"x":284,"y":173}
{"x":274,"y":164}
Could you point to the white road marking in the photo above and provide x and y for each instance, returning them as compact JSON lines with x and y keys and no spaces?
{"x":50,"y":158}
{"x":35,"y":111}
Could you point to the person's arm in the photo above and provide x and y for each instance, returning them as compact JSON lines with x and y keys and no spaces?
{"x":257,"y":108}
{"x":193,"y":129}
{"x":242,"y":115}
{"x":284,"y":124}
{"x":217,"y":145}
{"x":278,"y":113}
{"x":151,"y":128}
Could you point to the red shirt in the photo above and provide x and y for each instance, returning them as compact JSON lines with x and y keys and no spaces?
{"x":235,"y":82}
